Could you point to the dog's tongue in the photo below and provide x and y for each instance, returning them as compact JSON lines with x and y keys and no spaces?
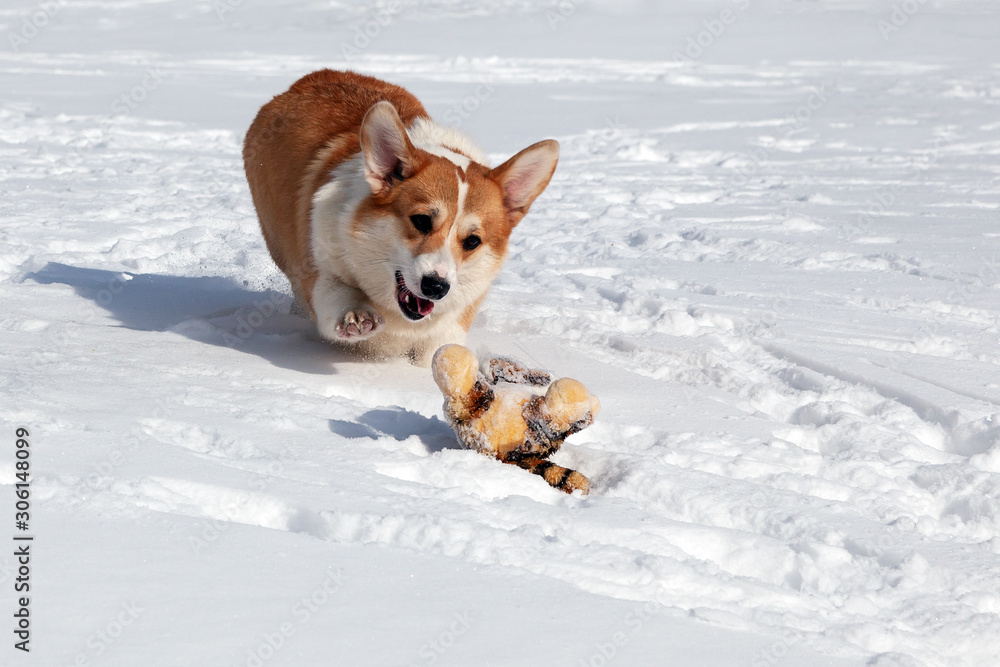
{"x":424,"y":307}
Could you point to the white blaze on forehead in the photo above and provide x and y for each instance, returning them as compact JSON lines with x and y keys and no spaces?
{"x":441,"y":261}
{"x":463,"y":193}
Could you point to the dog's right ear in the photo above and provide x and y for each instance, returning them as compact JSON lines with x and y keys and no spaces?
{"x":388,"y":153}
{"x":523,"y":177}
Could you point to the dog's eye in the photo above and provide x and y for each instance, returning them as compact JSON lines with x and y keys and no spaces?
{"x":471,"y":242}
{"x":422,"y":223}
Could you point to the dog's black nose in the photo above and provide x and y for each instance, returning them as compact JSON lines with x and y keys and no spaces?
{"x":433,"y":287}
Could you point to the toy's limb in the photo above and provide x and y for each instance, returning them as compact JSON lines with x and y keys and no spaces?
{"x":505,"y":369}
{"x":566,"y":408}
{"x":559,"y":477}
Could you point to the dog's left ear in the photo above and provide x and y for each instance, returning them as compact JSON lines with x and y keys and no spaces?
{"x":525,"y":176}
{"x":387,"y":150}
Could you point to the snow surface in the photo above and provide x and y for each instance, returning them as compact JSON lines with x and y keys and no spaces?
{"x":776,"y":262}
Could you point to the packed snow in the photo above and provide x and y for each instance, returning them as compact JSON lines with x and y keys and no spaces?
{"x":771,"y":249}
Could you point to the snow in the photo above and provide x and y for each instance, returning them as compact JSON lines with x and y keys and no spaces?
{"x":776,"y":262}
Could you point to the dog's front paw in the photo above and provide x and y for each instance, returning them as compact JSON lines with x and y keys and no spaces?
{"x":358,"y":324}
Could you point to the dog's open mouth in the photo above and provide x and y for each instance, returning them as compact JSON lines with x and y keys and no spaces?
{"x":412,"y":305}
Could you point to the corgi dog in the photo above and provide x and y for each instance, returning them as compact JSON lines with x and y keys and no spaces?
{"x":390,"y":227}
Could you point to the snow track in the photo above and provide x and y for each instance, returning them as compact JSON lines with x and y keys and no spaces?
{"x":777,"y":265}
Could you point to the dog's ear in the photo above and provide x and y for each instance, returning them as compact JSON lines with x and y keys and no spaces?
{"x":523,"y":177}
{"x":387,"y":150}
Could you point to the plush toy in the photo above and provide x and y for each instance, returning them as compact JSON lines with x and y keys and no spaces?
{"x":497,"y":409}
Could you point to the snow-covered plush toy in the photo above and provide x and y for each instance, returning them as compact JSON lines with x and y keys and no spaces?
{"x":497,"y":408}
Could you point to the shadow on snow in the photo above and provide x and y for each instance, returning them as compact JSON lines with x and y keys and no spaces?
{"x":400,"y":424}
{"x":209,"y":309}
